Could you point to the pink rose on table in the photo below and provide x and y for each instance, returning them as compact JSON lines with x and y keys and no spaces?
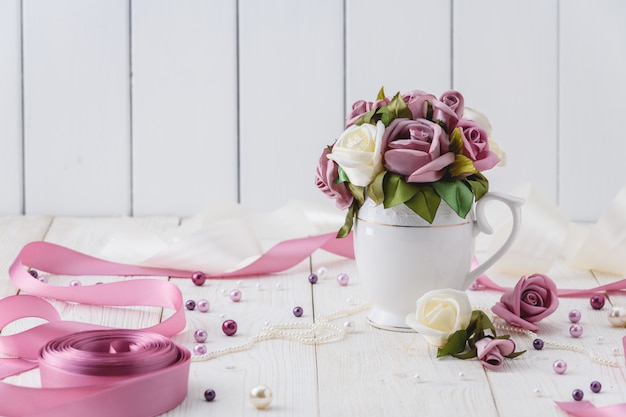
{"x":491,"y":352}
{"x":416,"y":102}
{"x":417,"y":149}
{"x":476,"y":145}
{"x":531,"y":300}
{"x":327,"y":172}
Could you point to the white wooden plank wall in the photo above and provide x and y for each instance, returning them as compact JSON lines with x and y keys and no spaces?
{"x":166,"y":107}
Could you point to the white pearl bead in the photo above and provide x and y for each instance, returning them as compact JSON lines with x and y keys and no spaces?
{"x":417,"y":377}
{"x":239,"y":283}
{"x":600,"y":339}
{"x":462,"y":375}
{"x":348,"y":325}
{"x":261,"y":397}
{"x":258,"y":285}
{"x":615,"y":351}
{"x":537,"y":392}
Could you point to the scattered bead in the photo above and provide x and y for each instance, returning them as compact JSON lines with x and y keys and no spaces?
{"x":343,"y":279}
{"x":615,"y":351}
{"x":235,"y":295}
{"x":574,"y":316}
{"x":297,"y":311}
{"x":559,"y":366}
{"x":537,"y":392}
{"x":474,"y":286}
{"x":348,"y":325}
{"x":313,"y":278}
{"x":229,"y":327}
{"x":462,"y":375}
{"x":190,"y":304}
{"x":577,"y":394}
{"x":203,"y":305}
{"x":198,"y":278}
{"x":43,"y":279}
{"x":538,"y":344}
{"x":200,"y":349}
{"x":417,"y":377}
{"x":33,"y":273}
{"x":258,"y":285}
{"x":597,"y":302}
{"x":576,"y":330}
{"x":200,"y":335}
{"x":261,"y":397}
{"x":321,"y":271}
{"x":595,"y":386}
{"x":209,"y":395}
{"x":75,"y":283}
{"x":278,"y":285}
{"x":239,"y":283}
{"x":600,"y":340}
{"x":616,"y":316}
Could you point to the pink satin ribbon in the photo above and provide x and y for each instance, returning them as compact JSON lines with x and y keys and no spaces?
{"x":87,"y":369}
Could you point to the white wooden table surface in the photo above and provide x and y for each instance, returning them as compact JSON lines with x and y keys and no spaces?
{"x":368,"y":373}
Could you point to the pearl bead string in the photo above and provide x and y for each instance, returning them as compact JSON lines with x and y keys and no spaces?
{"x":320,"y":332}
{"x":560,"y":346}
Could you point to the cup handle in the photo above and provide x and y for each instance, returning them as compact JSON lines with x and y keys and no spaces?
{"x":515,"y":205}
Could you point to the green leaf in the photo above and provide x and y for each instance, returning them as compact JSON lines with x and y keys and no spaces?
{"x":455,"y":345}
{"x":398,"y":108}
{"x":358,"y":192}
{"x":381,"y":93}
{"x":462,"y":166}
{"x":471,"y":353}
{"x":429,"y":110}
{"x":342,"y":176}
{"x":515,"y":354}
{"x":375,"y":189}
{"x":425,"y":203}
{"x":347,"y":225}
{"x":384,"y":115}
{"x":457,"y":194}
{"x":441,"y":123}
{"x":397,"y":191}
{"x":479,"y":185}
{"x":456,"y":141}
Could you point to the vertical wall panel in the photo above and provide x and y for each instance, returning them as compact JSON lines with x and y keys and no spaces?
{"x":592,"y":87}
{"x":76,"y":98}
{"x":184,"y":61}
{"x":291,"y":81}
{"x":10,"y":108}
{"x":505,"y":64}
{"x":400,"y":44}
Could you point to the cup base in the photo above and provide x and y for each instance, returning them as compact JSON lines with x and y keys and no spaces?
{"x":388,"y":320}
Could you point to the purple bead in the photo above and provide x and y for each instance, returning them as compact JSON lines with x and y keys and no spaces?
{"x":595,"y":386}
{"x":313,"y":278}
{"x":198,"y":278}
{"x":577,"y":394}
{"x":559,"y":366}
{"x":597,"y":302}
{"x":538,"y":344}
{"x":574,"y":316}
{"x":343,"y":279}
{"x":75,"y":283}
{"x":297,"y":311}
{"x":235,"y":295}
{"x":200,"y":335}
{"x":209,"y":395}
{"x":203,"y":305}
{"x":199,"y":349}
{"x":576,"y":330}
{"x":229,"y":327}
{"x":33,"y":273}
{"x":190,"y":304}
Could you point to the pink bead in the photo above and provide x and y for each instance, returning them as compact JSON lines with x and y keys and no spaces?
{"x":229,"y":327}
{"x":559,"y":366}
{"x":200,"y":335}
{"x":199,"y":349}
{"x":75,"y":283}
{"x":235,"y":295}
{"x":198,"y":278}
{"x":203,"y":305}
{"x":574,"y":316}
{"x":343,"y":279}
{"x":576,"y":330}
{"x":474,"y":286}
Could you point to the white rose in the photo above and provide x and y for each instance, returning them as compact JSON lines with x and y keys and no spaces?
{"x":358,"y":152}
{"x":483,"y":122}
{"x":439,"y":314}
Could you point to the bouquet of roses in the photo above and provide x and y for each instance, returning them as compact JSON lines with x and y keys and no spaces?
{"x":413,"y":149}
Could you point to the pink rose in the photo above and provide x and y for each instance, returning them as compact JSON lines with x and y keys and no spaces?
{"x":454,"y":100}
{"x":360,"y":107}
{"x":416,"y":102}
{"x":327,"y":172}
{"x":532,"y":299}
{"x":417,"y":149}
{"x":476,"y":145}
{"x":491,"y":352}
